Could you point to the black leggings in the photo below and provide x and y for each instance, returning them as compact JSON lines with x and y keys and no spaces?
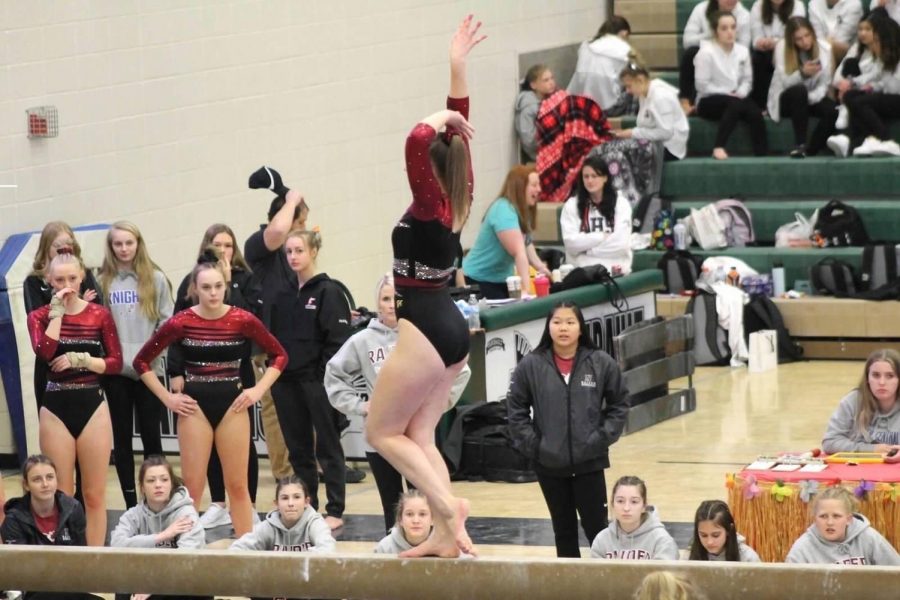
{"x":728,"y":110}
{"x":687,"y":86}
{"x":868,"y":112}
{"x":128,"y":397}
{"x":761,"y":62}
{"x":433,"y":313}
{"x":794,"y":103}
{"x":302,"y":408}
{"x":570,"y":497}
{"x":217,"y":480}
{"x":389,"y":482}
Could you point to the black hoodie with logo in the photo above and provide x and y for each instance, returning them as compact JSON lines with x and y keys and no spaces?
{"x":20,"y":528}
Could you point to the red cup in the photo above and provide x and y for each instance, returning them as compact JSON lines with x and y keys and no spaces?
{"x":541,"y":285}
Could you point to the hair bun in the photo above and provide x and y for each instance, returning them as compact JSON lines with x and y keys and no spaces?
{"x":208,"y":256}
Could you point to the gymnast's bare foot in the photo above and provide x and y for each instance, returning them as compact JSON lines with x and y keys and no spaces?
{"x":440,"y":543}
{"x":463,"y":541}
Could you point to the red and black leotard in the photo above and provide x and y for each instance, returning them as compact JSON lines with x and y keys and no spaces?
{"x":425,"y":247}
{"x":74,"y":394}
{"x":212,"y":350}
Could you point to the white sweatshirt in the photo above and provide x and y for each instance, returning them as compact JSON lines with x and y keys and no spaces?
{"x":838,"y":22}
{"x":817,"y":86}
{"x":661,"y":119}
{"x":775,"y":29}
{"x":597,"y":72}
{"x":870,"y":68}
{"x":697,"y":28}
{"x":607,"y":244}
{"x":719,"y":72}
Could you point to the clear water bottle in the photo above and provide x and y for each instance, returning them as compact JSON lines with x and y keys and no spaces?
{"x":778,"y":285}
{"x":474,"y":317}
{"x":680,"y":233}
{"x":719,"y":276}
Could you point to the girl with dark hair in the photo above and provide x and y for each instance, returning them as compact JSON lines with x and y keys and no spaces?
{"x":716,"y":537}
{"x":724,"y":78}
{"x":504,"y":241}
{"x":800,"y":86}
{"x":537,"y":85}
{"x":600,"y":61}
{"x":701,"y":27}
{"x":868,"y":418}
{"x":411,"y":392}
{"x":567,"y":404}
{"x":219,"y":244}
{"x":596,"y":221}
{"x":835,"y":23}
{"x":768,"y":19}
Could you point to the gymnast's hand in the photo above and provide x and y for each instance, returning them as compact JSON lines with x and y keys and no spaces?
{"x":246,"y":399}
{"x":465,"y":38}
{"x":459,"y":123}
{"x":181,"y":404}
{"x":60,"y":363}
{"x":176,"y":384}
{"x":89,"y":295}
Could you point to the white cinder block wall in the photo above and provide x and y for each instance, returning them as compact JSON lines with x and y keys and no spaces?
{"x":166,"y":106}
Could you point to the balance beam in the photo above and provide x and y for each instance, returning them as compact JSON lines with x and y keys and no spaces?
{"x":377,"y":577}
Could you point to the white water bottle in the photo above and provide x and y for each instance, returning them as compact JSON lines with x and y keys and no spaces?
{"x":778,"y":280}
{"x":474,"y":316}
{"x":680,"y":234}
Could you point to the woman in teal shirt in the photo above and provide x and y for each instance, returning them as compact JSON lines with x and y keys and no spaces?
{"x":503,"y":246}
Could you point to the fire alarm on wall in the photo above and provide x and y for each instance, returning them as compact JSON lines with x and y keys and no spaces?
{"x":42,"y":122}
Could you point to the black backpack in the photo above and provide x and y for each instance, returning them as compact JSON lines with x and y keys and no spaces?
{"x":839,"y":224}
{"x":761,"y":313}
{"x":832,"y":277}
{"x":680,"y":270}
{"x":710,"y":339}
{"x":880,"y":265}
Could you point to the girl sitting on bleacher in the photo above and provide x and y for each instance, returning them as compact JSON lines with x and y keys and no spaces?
{"x":659,"y":118}
{"x":599,"y":63}
{"x":768,"y":19}
{"x":716,"y":537}
{"x":723,"y":81}
{"x":835,"y":22}
{"x":800,"y":86}
{"x":538,"y":85}
{"x":857,"y":72}
{"x":700,"y":27}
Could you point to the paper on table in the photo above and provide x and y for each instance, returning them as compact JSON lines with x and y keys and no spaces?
{"x":814,"y":468}
{"x":761,"y":465}
{"x":786,"y":467}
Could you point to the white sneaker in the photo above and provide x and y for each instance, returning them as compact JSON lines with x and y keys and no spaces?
{"x":215,"y":516}
{"x":887,"y":148}
{"x":868,"y":147}
{"x":843,"y":118}
{"x":840,"y":145}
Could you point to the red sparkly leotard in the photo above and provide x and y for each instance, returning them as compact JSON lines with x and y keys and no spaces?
{"x":212,"y":350}
{"x":425,"y":247}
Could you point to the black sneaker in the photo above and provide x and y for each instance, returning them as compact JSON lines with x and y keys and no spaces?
{"x":354,"y":475}
{"x":799,"y":152}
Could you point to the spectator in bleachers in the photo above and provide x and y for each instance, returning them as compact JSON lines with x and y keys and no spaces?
{"x":723,"y":81}
{"x":537,"y":85}
{"x":835,"y":22}
{"x":800,"y":86}
{"x":869,"y":133}
{"x":891,"y":6}
{"x":701,"y":27}
{"x":858,"y":71}
{"x":600,"y":61}
{"x":768,"y":19}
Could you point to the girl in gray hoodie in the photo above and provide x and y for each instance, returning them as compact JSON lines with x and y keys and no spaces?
{"x":636,"y":533}
{"x":413,"y":518}
{"x":716,"y":537}
{"x":841,"y":536}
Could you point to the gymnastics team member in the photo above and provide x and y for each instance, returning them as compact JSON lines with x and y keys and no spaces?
{"x":504,"y":242}
{"x":294,"y":525}
{"x":411,"y":392}
{"x":868,"y":418}
{"x":596,"y":221}
{"x":140,"y":298}
{"x":243,"y":292}
{"x":312,"y":321}
{"x":567,"y":403}
{"x":800,"y":86}
{"x":78,"y":342}
{"x":838,"y":535}
{"x":350,"y":376}
{"x":724,"y":79}
{"x":413,"y":518}
{"x":636,"y":533}
{"x":768,"y":19}
{"x":835,"y":22}
{"x":213,"y":337}
{"x":716,"y":537}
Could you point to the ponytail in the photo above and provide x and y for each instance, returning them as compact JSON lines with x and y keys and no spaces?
{"x":451,"y":164}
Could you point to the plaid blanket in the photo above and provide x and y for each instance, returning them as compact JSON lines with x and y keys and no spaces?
{"x":567,"y":128}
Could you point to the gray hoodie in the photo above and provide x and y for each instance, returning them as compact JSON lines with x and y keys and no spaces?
{"x":527,"y":105}
{"x":862,"y":546}
{"x":309,"y":534}
{"x":133,"y":326}
{"x":650,"y":541}
{"x":842,"y":434}
{"x":748,"y":554}
{"x":393,"y":543}
{"x":350,"y":374}
{"x":138,"y":526}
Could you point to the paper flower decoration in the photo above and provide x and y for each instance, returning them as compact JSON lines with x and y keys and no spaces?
{"x":808,"y":489}
{"x":895,"y":492}
{"x":729,"y":481}
{"x":863,"y":488}
{"x":781,"y":491}
{"x":751,"y":489}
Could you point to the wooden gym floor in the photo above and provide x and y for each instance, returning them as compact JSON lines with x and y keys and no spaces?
{"x":684,"y":460}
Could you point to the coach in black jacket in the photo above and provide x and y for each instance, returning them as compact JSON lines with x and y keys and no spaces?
{"x":567,"y":403}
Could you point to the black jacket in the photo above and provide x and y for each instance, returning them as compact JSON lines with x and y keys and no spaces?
{"x":20,"y":528}
{"x":574,"y":424}
{"x":38,"y":292}
{"x":312,"y":324}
